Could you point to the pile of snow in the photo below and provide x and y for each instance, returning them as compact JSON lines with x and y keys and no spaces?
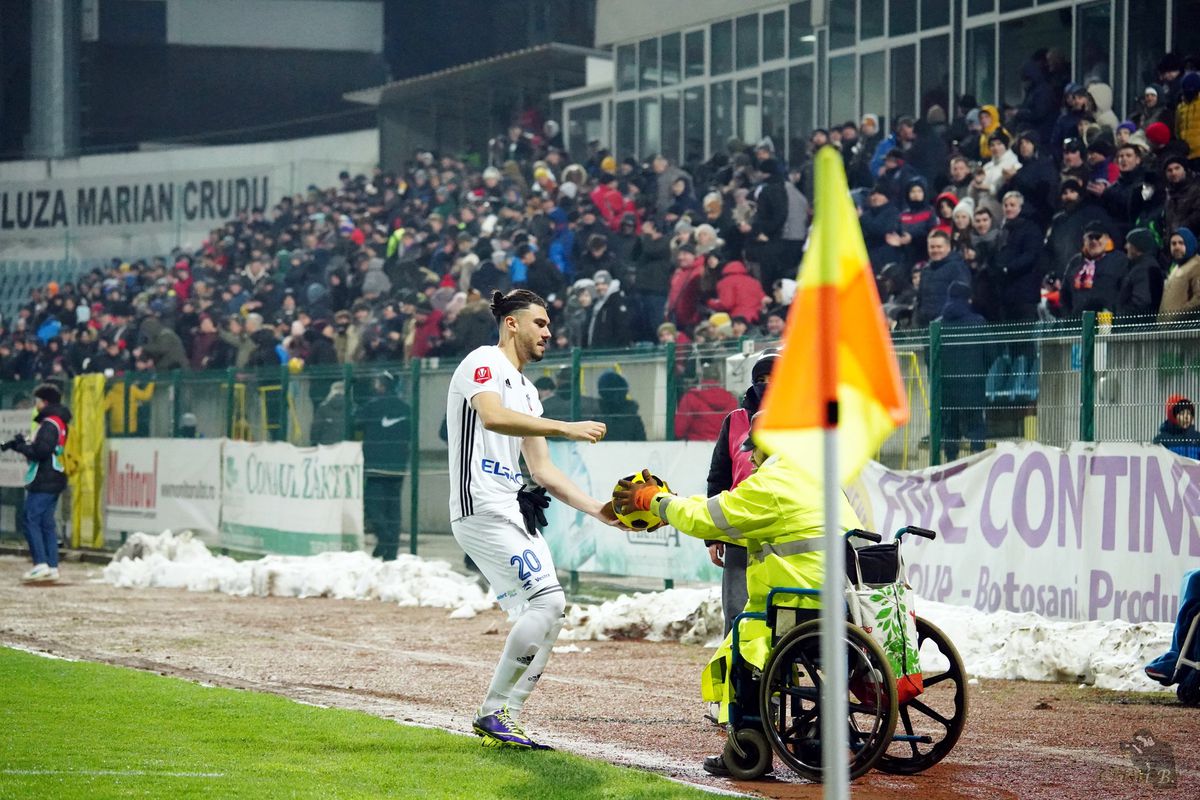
{"x":182,"y":562}
{"x":1025,"y":646}
{"x":692,"y":616}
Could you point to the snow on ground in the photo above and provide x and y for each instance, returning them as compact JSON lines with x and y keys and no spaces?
{"x":182,"y":562}
{"x":1004,"y":645}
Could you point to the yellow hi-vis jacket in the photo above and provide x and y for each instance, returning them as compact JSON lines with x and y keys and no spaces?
{"x":778,"y":515}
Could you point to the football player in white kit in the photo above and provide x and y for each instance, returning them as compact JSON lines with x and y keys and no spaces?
{"x":493,"y":418}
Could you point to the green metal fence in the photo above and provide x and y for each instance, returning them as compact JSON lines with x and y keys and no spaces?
{"x":968,"y":388}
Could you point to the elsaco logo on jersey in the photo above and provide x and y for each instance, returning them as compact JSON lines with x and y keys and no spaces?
{"x":483,"y":374}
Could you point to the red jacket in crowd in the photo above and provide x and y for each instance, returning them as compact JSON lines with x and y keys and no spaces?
{"x":738,"y":292}
{"x":701,"y":411}
{"x":683,"y":298}
{"x":609,"y":203}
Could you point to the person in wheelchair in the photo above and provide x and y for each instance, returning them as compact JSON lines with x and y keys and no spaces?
{"x":1166,"y":668}
{"x":778,"y":515}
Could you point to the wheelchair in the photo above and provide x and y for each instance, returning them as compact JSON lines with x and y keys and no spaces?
{"x":777,"y":712}
{"x":1187,"y":670}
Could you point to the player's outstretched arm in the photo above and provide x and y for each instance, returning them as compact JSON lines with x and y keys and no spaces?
{"x":498,"y":419}
{"x":543,"y":470}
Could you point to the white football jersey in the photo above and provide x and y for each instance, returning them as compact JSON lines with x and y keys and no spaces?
{"x":485,"y":467}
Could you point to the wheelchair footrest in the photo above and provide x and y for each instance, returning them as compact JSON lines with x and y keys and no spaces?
{"x":918,"y":739}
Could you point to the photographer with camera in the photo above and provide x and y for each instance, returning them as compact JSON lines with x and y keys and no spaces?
{"x":45,"y":480}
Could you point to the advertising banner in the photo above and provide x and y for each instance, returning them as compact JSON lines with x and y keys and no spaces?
{"x":579,"y":542}
{"x":1097,"y":531}
{"x":278,"y":498}
{"x":13,"y":465}
{"x":153,"y":485}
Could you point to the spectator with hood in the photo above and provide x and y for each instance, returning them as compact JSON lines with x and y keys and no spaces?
{"x":739,"y":293}
{"x":618,"y":411}
{"x":916,"y":221}
{"x":1181,"y":290}
{"x":1140,"y":292}
{"x":1178,"y":431}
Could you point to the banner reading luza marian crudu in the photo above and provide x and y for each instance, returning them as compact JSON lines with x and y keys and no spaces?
{"x":579,"y":542}
{"x":152,"y":485}
{"x":278,"y":498}
{"x":1097,"y":531}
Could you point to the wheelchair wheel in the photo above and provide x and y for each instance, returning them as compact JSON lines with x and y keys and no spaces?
{"x":790,"y":700}
{"x":755,"y":760}
{"x":935,"y":719}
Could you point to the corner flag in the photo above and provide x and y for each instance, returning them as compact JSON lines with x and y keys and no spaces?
{"x":838,"y":367}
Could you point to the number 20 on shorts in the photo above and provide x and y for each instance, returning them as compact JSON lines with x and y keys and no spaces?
{"x":527,"y":564}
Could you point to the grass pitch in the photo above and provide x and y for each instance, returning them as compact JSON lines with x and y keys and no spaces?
{"x":76,"y":730}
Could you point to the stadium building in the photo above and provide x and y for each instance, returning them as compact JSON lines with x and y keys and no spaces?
{"x":687,"y":81}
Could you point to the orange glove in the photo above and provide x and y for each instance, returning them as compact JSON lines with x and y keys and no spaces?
{"x":643,"y":494}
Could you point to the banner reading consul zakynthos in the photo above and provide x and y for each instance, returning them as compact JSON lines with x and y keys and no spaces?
{"x":579,"y":542}
{"x":279,"y":498}
{"x":1097,"y":531}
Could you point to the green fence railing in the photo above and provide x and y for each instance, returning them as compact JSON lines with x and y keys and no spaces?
{"x":968,"y":387}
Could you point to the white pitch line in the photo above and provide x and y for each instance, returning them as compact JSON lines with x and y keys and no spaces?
{"x":113,"y":772}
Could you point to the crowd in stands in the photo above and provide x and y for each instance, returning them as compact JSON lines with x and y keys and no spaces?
{"x":1038,"y":211}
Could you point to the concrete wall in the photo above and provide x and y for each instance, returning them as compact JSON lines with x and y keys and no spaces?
{"x":285,"y":24}
{"x":622,"y":20}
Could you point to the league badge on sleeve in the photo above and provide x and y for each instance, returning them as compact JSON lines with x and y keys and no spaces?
{"x":483,"y":374}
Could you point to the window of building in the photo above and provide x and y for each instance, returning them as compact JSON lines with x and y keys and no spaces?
{"x":801,"y":38}
{"x":693,"y":54}
{"x":626,"y":67}
{"x":934,"y":13}
{"x":747,"y":41}
{"x":774,"y":36}
{"x":1094,"y":23}
{"x":585,"y":124}
{"x":872,"y":88}
{"x":935,"y":75}
{"x":774,"y":107}
{"x":1014,"y":5}
{"x":981,"y":63}
{"x":626,"y":128}
{"x":1018,"y":39}
{"x":693,"y":125}
{"x":872,"y":21}
{"x":721,"y":47}
{"x":720,"y":114}
{"x":670,"y":126}
{"x":1146,"y":45}
{"x":649,"y":126}
{"x":980,"y":6}
{"x":902,"y":17}
{"x":749,"y":111}
{"x":670,"y":59}
{"x":648,"y":64}
{"x":800,"y":110}
{"x":842,"y":86}
{"x":841,"y":25}
{"x":904,"y":83}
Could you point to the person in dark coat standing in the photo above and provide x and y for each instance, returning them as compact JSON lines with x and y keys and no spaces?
{"x":1066,"y":229}
{"x":612,"y":317}
{"x":45,"y":480}
{"x":652,"y":267}
{"x":1093,"y":277}
{"x":1015,"y":267}
{"x":945,"y":267}
{"x":764,"y":232}
{"x":618,"y":411}
{"x":384,"y":424}
{"x":1140,"y":292}
{"x":728,"y":467}
{"x":964,"y":368}
{"x":880,"y":221}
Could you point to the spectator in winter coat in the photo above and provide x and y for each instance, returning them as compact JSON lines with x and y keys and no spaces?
{"x":1183,"y":195}
{"x":618,"y":411}
{"x":1039,"y":106}
{"x":1102,"y":97}
{"x":916,"y":221}
{"x":578,"y":317}
{"x":1003,"y":165}
{"x":1178,"y":431}
{"x":963,"y":383}
{"x":1037,"y":180}
{"x":990,"y":123}
{"x":665,"y":175}
{"x":541,"y":277}
{"x":1015,"y":268}
{"x":1066,"y":127}
{"x":597,"y":257}
{"x":652,"y":266}
{"x":1140,"y":292}
{"x":1093,"y":277}
{"x":162,"y":344}
{"x":612,"y":318}
{"x":1151,"y":109}
{"x":1187,"y":118}
{"x":702,"y":409}
{"x":897,"y":295}
{"x":683,"y":306}
{"x":1125,"y":199}
{"x":1066,"y":229}
{"x":1181,"y":290}
{"x":944,"y":268}
{"x":739,"y":293}
{"x":880,"y":222}
{"x":608,"y":200}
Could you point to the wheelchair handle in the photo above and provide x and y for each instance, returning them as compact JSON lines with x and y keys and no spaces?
{"x":871,"y":537}
{"x":924,"y":533}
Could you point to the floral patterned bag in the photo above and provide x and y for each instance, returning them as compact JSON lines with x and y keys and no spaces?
{"x":882,"y":606}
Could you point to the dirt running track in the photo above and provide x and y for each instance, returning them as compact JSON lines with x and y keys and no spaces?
{"x":633,"y":703}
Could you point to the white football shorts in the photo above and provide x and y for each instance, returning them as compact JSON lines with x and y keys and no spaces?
{"x":519,"y":567}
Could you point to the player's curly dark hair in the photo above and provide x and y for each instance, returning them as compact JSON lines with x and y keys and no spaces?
{"x":505,"y":304}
